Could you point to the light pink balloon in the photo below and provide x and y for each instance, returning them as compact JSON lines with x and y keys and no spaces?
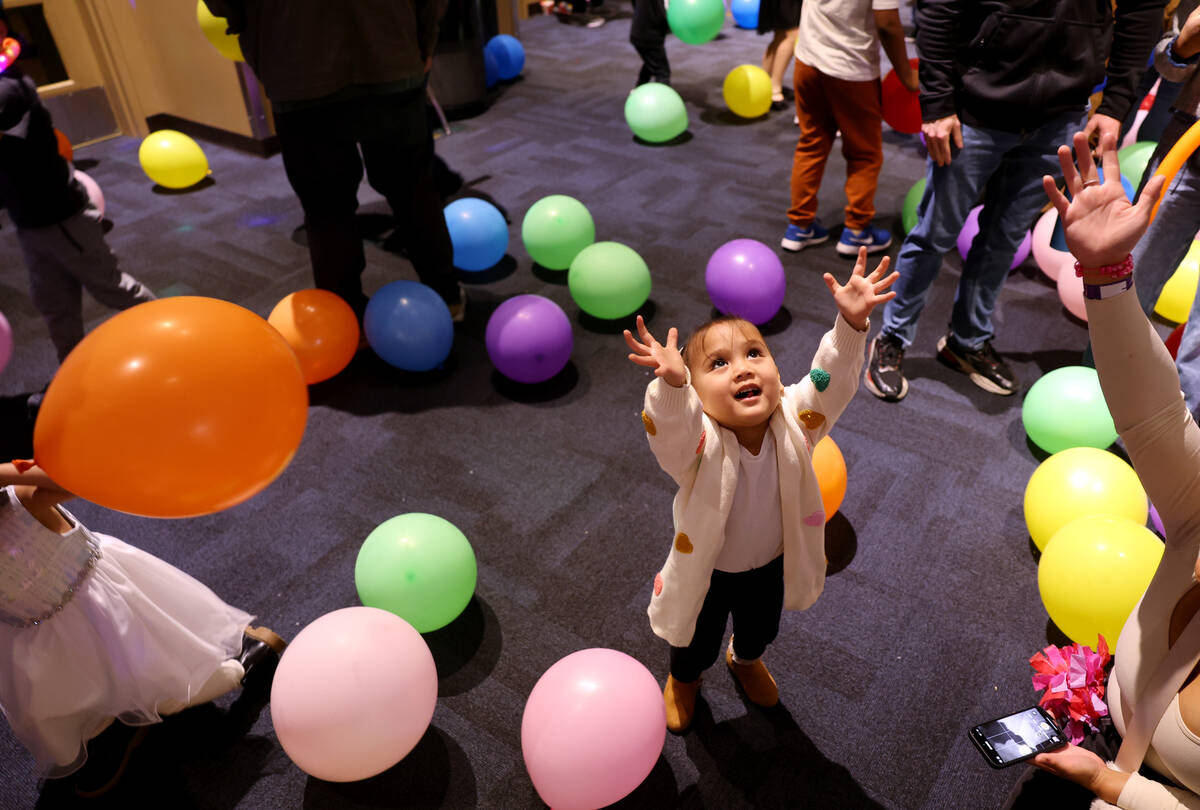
{"x":95,"y":195}
{"x":594,"y":726}
{"x":353,"y":694}
{"x":1048,"y":258}
{"x":6,"y":342}
{"x":1070,"y":291}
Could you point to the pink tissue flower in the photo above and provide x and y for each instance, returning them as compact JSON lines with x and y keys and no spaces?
{"x":1073,"y":677}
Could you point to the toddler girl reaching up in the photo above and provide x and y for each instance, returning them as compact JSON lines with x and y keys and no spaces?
{"x":749,"y":525}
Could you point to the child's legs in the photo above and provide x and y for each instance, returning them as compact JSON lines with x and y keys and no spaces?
{"x":55,"y":291}
{"x":95,"y":265}
{"x":817,"y":129}
{"x":858,"y":110}
{"x":688,"y":662}
{"x":785,"y":42}
{"x":647,"y":34}
{"x":227,"y":678}
{"x":756,"y":603}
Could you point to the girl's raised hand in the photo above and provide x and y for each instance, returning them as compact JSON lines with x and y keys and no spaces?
{"x":666,"y":361}
{"x":862,"y":293}
{"x":1099,"y":224}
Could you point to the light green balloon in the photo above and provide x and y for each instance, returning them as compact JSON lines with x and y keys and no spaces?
{"x":555,"y":229}
{"x":908,"y":213}
{"x":1066,"y":408}
{"x":609,"y":280}
{"x":419,"y":567}
{"x":1133,"y":159}
{"x":655,"y":112}
{"x":696,"y":21}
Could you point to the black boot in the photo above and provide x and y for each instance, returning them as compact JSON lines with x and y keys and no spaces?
{"x":261,"y":648}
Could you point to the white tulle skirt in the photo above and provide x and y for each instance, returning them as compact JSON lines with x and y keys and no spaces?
{"x":138,"y":633}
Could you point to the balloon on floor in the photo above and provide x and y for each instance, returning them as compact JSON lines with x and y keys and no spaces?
{"x":321,"y":328}
{"x":901,"y":106}
{"x":1048,"y":258}
{"x":529,"y":339}
{"x":1134,"y":158}
{"x":203,"y":406}
{"x":555,"y":229}
{"x":609,"y":280}
{"x":908,"y":212}
{"x":1078,"y":482}
{"x":970,"y":229}
{"x":6,"y":342}
{"x":655,"y":113}
{"x":1175,"y":301}
{"x":478,"y":232}
{"x":744,"y":277}
{"x":353,"y":695}
{"x":1070,"y":291}
{"x":1173,"y":339}
{"x":409,"y":326}
{"x":172,"y":159}
{"x":747,"y":91}
{"x":64,"y":146}
{"x":95,"y":195}
{"x":696,"y":21}
{"x":745,"y":13}
{"x":1093,"y":572}
{"x":593,"y":728}
{"x":509,"y":55}
{"x":830,"y":467}
{"x":1066,"y":408}
{"x":420,"y":567}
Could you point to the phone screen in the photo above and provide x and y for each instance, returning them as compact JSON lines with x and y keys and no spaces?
{"x":1016,"y":737}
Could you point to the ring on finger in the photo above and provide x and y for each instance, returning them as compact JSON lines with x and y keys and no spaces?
{"x":1090,"y":183}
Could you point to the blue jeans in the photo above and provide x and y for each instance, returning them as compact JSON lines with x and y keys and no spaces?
{"x":1163,"y":247}
{"x":1009,"y":165}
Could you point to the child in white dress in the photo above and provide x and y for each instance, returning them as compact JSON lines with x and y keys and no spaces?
{"x":93,"y":630}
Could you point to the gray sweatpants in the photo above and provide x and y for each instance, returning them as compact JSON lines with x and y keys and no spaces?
{"x":62,"y":259}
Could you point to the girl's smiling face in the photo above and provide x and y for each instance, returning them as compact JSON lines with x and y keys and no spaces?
{"x":734,"y":375}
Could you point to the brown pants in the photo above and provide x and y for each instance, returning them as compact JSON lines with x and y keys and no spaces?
{"x":824,"y":105}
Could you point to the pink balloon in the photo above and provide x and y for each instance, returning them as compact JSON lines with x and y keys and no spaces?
{"x":971,"y":227}
{"x":1070,"y":292}
{"x":1048,"y":258}
{"x":95,"y":195}
{"x":594,"y":726}
{"x":353,"y":694}
{"x":6,"y":342}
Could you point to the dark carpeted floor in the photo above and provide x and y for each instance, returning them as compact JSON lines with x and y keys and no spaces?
{"x":931,"y":610}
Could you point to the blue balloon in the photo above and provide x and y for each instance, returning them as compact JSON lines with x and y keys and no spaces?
{"x":409,"y":326}
{"x":509,"y":55}
{"x":478,"y":232}
{"x":491,"y":68}
{"x":745,"y":13}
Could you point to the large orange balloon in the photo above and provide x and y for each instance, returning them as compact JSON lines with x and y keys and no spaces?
{"x":830,"y":467}
{"x":174,"y":408}
{"x":322,"y":330}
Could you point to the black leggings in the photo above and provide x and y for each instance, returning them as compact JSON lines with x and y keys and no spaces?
{"x":754,"y":597}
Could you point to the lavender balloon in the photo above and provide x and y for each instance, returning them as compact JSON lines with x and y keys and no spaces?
{"x":971,"y":227}
{"x":529,"y":338}
{"x":745,"y":278}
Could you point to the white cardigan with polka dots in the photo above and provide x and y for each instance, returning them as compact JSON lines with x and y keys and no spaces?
{"x":702,"y":457}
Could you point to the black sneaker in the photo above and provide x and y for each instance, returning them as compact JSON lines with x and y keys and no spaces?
{"x":983,"y":365}
{"x":108,"y":756}
{"x":884,"y":377}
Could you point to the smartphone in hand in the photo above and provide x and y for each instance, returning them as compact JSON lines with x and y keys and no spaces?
{"x":1016,"y":737}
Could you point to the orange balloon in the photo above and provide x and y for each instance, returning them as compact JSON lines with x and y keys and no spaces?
{"x":174,"y":408}
{"x":64,"y":146}
{"x":830,"y":467}
{"x":322,"y":330}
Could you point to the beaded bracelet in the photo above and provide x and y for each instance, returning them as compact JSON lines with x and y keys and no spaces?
{"x":1118,"y":270}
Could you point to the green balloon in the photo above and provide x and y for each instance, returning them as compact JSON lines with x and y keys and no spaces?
{"x":655,"y":112}
{"x":419,"y":567}
{"x":1065,"y":409}
{"x":1133,"y":159}
{"x":696,"y":21}
{"x":908,"y":213}
{"x":609,"y":280}
{"x":555,"y":229}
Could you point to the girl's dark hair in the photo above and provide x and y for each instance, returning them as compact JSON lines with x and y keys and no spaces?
{"x":693,"y":350}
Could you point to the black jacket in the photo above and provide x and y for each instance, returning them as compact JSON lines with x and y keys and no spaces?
{"x":1015,"y":64}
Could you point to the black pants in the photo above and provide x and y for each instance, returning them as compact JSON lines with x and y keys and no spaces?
{"x":647,"y":34}
{"x":1038,"y":789}
{"x":321,"y":154}
{"x":754,"y":597}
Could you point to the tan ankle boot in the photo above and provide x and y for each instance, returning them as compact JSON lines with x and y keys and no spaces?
{"x":680,"y":699}
{"x":755,"y":679}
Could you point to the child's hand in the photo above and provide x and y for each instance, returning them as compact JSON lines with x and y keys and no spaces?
{"x":666,"y":361}
{"x":861,"y":293}
{"x":1099,"y":224}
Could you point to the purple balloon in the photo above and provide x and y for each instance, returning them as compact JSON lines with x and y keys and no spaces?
{"x":971,"y":227}
{"x":529,"y":338}
{"x":745,"y":278}
{"x":1156,"y":522}
{"x":6,"y":341}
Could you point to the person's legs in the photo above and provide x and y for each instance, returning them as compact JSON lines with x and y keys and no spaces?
{"x":785,"y":46}
{"x":817,"y":129}
{"x":95,"y":265}
{"x":858,"y":111}
{"x":756,"y":604}
{"x":324,"y":168}
{"x":688,"y":663}
{"x":55,"y":292}
{"x":648,"y":34}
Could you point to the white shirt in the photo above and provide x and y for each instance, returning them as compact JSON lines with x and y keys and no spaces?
{"x":754,"y":530}
{"x":840,"y":39}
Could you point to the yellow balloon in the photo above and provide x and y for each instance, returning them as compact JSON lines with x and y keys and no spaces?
{"x":214,"y":31}
{"x":1078,"y":482}
{"x":747,"y":91}
{"x":1175,"y":300}
{"x":172,"y":159}
{"x":1093,"y":572}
